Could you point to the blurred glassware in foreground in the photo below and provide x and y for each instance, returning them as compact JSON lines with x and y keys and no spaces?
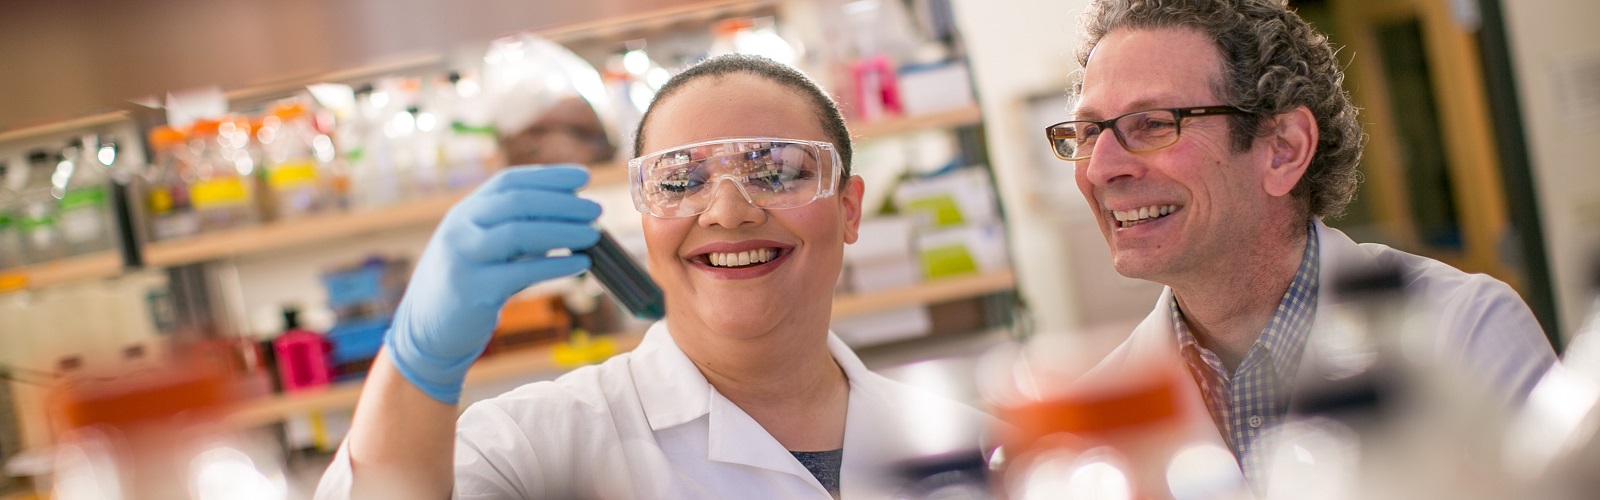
{"x":1078,"y":433}
{"x":1375,"y":412}
{"x":158,"y":433}
{"x":1554,"y":442}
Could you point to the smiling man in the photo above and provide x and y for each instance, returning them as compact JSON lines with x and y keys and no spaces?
{"x":1211,"y":138}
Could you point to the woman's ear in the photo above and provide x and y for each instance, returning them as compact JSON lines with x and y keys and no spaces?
{"x":850,"y":196}
{"x":1293,"y":142}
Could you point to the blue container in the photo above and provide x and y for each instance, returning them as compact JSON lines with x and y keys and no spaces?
{"x":353,"y":287}
{"x":357,"y":340}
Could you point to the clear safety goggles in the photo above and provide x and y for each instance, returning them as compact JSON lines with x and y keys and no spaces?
{"x":769,"y":173}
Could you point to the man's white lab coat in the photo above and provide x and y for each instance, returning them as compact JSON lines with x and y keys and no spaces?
{"x":1481,"y":327}
{"x":646,"y":424}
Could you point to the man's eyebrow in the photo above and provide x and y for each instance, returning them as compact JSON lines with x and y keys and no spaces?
{"x":1142,"y":104}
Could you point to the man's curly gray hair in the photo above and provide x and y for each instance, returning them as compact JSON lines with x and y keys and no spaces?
{"x":1273,"y":61}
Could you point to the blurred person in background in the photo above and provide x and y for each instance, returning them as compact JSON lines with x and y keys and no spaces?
{"x":1211,"y":139}
{"x":740,"y":392}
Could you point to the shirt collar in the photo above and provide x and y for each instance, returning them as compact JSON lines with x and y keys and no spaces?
{"x":1284,"y":338}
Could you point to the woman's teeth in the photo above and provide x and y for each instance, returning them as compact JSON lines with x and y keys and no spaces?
{"x":1130,"y":218}
{"x":745,"y":258}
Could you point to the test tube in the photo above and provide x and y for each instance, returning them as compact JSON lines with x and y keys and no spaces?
{"x":623,"y":278}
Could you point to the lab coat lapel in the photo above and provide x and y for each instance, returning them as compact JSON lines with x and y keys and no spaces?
{"x":1154,"y":340}
{"x":880,"y":427}
{"x":671,"y":390}
{"x":736,"y":438}
{"x":1338,"y":253}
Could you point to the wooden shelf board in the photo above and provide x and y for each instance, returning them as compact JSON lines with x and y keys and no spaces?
{"x":286,"y":234}
{"x":289,"y":86}
{"x":647,"y":21}
{"x":539,"y":360}
{"x":527,"y":362}
{"x":63,"y":126}
{"x":98,"y":265}
{"x":900,"y":125}
{"x":323,"y":227}
{"x":930,"y":292}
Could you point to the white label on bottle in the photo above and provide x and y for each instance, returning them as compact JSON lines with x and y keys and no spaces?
{"x":83,"y":224}
{"x":43,"y":238}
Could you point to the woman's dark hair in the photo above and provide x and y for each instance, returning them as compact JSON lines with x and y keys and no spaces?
{"x":827,"y":111}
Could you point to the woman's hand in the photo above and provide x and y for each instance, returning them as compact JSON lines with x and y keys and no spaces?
{"x":489,"y":246}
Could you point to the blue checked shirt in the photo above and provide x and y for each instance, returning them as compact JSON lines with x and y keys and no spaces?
{"x":1255,"y":397}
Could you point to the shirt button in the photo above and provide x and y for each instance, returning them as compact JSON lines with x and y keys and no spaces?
{"x":1255,"y":421}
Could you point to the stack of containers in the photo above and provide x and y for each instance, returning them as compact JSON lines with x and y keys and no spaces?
{"x":363,"y":298}
{"x":957,"y":222}
{"x":884,"y":261}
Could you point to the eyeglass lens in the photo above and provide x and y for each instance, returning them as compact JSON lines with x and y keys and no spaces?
{"x":768,"y":175}
{"x":1138,"y":132}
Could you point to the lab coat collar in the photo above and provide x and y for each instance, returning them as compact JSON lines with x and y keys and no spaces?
{"x":1154,"y":335}
{"x":673,"y":392}
{"x":671,"y":389}
{"x":1339,"y":252}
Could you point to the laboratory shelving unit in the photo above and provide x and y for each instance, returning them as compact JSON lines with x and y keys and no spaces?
{"x":349,"y":226}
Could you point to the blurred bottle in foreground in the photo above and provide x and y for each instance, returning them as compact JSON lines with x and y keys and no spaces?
{"x":1123,"y":431}
{"x":1554,"y":442}
{"x":1375,"y":414}
{"x":158,"y":434}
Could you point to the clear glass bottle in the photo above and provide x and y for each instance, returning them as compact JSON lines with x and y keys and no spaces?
{"x":222,"y":187}
{"x":294,"y":176}
{"x":85,"y":193}
{"x":11,"y":252}
{"x":468,"y":144}
{"x":37,"y":215}
{"x":166,"y":194}
{"x":374,"y":178}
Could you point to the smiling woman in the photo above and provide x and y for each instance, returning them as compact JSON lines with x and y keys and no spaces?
{"x":740,"y":392}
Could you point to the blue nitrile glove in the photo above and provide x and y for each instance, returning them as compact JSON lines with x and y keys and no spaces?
{"x":489,"y":246}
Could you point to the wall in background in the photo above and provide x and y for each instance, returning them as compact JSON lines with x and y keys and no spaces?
{"x":1556,"y":53}
{"x":71,"y":58}
{"x":1022,"y":59}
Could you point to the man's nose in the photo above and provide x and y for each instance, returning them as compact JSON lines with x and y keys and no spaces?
{"x":728,"y":206}
{"x":1111,"y":162}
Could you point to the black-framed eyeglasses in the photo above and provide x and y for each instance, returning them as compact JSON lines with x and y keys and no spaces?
{"x":1139,"y":131}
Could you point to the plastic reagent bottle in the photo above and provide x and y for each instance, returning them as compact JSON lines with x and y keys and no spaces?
{"x":37,"y":215}
{"x":85,"y":213}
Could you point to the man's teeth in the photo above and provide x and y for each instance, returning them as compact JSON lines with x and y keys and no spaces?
{"x":745,"y":258}
{"x":1130,"y":218}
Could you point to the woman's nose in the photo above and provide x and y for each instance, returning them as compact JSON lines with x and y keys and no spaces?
{"x":729,"y":208}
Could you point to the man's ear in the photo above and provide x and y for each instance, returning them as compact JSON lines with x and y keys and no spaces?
{"x":1292,"y":143}
{"x":851,"y":198}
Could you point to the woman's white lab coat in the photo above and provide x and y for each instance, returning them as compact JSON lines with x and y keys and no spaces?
{"x":646,"y":424}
